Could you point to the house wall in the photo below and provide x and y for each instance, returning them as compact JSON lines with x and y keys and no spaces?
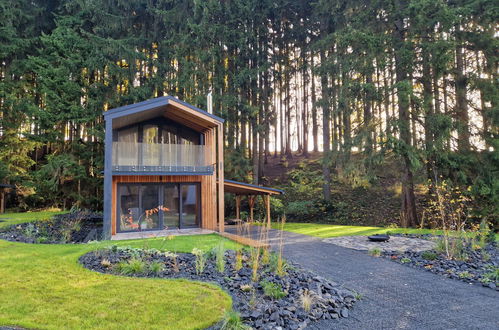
{"x":208,"y":194}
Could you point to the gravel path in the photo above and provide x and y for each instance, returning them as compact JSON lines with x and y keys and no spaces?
{"x":393,"y":296}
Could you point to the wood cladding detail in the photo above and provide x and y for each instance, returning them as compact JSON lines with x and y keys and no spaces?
{"x":244,"y":240}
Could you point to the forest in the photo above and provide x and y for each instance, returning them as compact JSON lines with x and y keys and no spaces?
{"x":409,"y":86}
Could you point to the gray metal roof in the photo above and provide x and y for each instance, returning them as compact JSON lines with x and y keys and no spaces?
{"x":249,"y":185}
{"x":151,"y":104}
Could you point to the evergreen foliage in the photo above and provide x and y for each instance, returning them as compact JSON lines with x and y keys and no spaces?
{"x":416,"y":79}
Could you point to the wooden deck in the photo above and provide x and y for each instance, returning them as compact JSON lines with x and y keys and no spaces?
{"x":244,"y":240}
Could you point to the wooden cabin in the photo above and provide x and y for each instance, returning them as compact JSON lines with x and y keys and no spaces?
{"x":164,"y":169}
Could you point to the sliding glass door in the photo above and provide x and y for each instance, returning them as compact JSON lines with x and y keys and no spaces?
{"x":171,"y":206}
{"x":153,"y":206}
{"x":190,"y":205}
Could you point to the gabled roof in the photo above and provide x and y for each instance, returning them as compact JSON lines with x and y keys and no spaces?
{"x":241,"y":188}
{"x":168,"y":106}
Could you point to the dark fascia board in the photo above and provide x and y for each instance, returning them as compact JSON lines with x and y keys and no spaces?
{"x":151,"y":104}
{"x":254,"y":186}
{"x":159,"y":173}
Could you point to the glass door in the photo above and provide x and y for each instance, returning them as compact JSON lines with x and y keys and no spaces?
{"x":143,"y":206}
{"x":150,"y":207}
{"x":171,"y":206}
{"x":128,"y":207}
{"x":190,"y":205}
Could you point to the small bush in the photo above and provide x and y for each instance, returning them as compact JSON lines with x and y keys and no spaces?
{"x":220,"y":256}
{"x":173,"y":256}
{"x":307,"y":301}
{"x":232,"y":321}
{"x":132,"y":267}
{"x":405,"y":260}
{"x":156,"y":267}
{"x":239,"y":260}
{"x":465,"y":274}
{"x":246,"y":287}
{"x":30,"y":230}
{"x":428,"y":255}
{"x":375,"y":252}
{"x":255,"y":263}
{"x":105,"y":263}
{"x":272,"y":290}
{"x":200,"y":260}
{"x":493,"y":275}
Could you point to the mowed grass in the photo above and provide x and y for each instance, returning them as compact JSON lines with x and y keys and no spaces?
{"x":44,"y":287}
{"x":326,"y":230}
{"x":7,"y":219}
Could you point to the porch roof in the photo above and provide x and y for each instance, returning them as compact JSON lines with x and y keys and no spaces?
{"x":167,"y":106}
{"x":241,"y":188}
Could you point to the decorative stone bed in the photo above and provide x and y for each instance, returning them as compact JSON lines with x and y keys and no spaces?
{"x":477,"y":265}
{"x":290,"y":301}
{"x":75,"y":227}
{"x":395,"y":243}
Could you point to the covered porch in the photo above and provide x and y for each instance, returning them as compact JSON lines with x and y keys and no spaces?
{"x":251,"y":192}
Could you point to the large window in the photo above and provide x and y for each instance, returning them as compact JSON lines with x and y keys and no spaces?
{"x":159,"y":145}
{"x":158,"y":206}
{"x":157,"y":131}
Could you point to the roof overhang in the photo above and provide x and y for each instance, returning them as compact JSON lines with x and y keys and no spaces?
{"x":166,"y":106}
{"x":241,"y":188}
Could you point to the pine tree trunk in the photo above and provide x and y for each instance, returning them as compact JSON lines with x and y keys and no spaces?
{"x":409,"y":213}
{"x":326,"y":138}
{"x":462,"y":117}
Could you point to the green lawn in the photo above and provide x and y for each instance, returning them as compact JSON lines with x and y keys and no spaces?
{"x":7,"y":219}
{"x":325,"y":230}
{"x":44,"y":287}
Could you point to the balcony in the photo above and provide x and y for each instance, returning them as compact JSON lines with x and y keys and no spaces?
{"x":160,"y":158}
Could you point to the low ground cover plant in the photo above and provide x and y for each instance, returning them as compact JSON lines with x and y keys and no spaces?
{"x":272,"y":290}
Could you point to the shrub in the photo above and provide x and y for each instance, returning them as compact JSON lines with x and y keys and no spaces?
{"x":232,"y":321}
{"x":156,"y":267}
{"x":220,"y":256}
{"x":30,"y":230}
{"x":278,"y":264}
{"x":307,"y":301}
{"x":375,"y":252}
{"x":105,"y":263}
{"x":131,"y":267}
{"x":246,"y":287}
{"x":405,"y":260}
{"x":200,"y":260}
{"x":255,"y":262}
{"x":465,"y":274}
{"x":239,"y":260}
{"x":428,"y":255}
{"x":173,"y":256}
{"x":272,"y":290}
{"x":492,"y":275}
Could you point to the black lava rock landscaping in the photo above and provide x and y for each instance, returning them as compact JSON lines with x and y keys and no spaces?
{"x":75,"y":227}
{"x":480,"y":266}
{"x":258,"y":310}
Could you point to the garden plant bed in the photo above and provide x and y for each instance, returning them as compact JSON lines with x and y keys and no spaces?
{"x":478,"y":265}
{"x":289,"y":301}
{"x":76,"y":227}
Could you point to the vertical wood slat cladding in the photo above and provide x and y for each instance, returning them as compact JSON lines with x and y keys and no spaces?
{"x":208,"y":218}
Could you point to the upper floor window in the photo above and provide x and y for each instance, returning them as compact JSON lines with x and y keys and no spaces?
{"x":158,"y":131}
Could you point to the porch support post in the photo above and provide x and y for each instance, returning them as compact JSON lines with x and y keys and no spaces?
{"x":2,"y":200}
{"x":220,"y":169}
{"x":108,"y":178}
{"x":238,"y":207}
{"x":267,"y":208}
{"x":251,"y":203}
